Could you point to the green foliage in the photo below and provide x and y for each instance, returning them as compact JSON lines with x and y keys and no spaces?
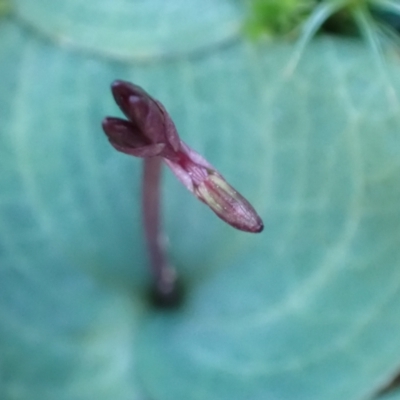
{"x":277,"y":17}
{"x":307,"y":310}
{"x":364,"y":14}
{"x":307,"y":17}
{"x":5,"y":7}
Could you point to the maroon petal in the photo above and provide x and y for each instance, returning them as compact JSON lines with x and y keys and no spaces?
{"x":171,"y":133}
{"x":148,"y":117}
{"x":122,"y":91}
{"x":123,"y":133}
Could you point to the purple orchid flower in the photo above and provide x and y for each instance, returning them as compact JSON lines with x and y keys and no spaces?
{"x":150,"y":133}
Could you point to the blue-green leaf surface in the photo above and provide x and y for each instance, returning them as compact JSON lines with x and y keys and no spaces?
{"x":134,"y":29}
{"x":306,"y":310}
{"x":392,"y":395}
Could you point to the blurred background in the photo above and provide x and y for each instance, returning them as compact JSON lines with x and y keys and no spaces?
{"x":307,"y":128}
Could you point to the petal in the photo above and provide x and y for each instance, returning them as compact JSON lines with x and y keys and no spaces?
{"x":123,"y":133}
{"x":171,"y":133}
{"x":148,"y":117}
{"x":122,"y":91}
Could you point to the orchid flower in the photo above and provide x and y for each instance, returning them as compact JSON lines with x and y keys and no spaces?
{"x":150,"y":133}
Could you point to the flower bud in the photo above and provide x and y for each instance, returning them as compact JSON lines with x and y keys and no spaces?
{"x":150,"y":132}
{"x":228,"y":204}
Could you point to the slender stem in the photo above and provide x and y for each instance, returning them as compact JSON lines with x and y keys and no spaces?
{"x":164,"y":274}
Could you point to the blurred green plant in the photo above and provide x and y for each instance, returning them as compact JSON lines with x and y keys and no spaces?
{"x":375,"y":20}
{"x":5,"y":7}
{"x":277,"y":17}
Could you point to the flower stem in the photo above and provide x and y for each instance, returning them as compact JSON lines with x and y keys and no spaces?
{"x":164,"y":275}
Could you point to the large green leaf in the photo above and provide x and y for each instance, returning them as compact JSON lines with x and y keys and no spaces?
{"x":134,"y":29}
{"x":306,"y":310}
{"x":392,"y":395}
